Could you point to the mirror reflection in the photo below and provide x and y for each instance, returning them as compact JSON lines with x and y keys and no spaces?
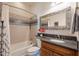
{"x":57,"y":20}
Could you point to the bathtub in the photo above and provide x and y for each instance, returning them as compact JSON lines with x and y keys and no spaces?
{"x":20,"y":49}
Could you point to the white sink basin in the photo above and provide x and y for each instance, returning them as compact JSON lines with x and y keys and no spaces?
{"x":58,"y":41}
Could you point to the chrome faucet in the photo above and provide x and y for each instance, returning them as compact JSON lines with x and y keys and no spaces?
{"x":60,"y":37}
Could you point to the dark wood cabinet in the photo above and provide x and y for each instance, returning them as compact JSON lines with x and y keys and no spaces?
{"x":55,"y":54}
{"x":45,"y":52}
{"x":48,"y":49}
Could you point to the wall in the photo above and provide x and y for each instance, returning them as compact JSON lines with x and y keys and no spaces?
{"x":33,"y":33}
{"x":20,"y":39}
{"x":19,"y":33}
{"x":60,"y":18}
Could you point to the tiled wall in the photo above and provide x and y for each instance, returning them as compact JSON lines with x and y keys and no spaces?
{"x":19,"y":33}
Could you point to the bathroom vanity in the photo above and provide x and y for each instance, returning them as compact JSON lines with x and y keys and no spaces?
{"x":51,"y":46}
{"x":48,"y":49}
{"x":58,"y":39}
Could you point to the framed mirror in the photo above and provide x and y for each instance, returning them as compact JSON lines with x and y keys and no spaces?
{"x":60,"y":20}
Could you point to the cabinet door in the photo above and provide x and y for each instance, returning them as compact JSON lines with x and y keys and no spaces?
{"x":55,"y":54}
{"x":45,"y":52}
{"x":58,"y":49}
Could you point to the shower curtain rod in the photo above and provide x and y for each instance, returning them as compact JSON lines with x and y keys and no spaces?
{"x":19,"y":8}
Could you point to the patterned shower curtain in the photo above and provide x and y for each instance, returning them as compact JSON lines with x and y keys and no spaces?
{"x":3,"y":40}
{"x":4,"y":31}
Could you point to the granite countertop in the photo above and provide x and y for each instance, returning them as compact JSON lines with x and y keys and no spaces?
{"x":65,"y":43}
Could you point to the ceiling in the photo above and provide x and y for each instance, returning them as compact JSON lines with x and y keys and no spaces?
{"x":22,"y":14}
{"x":23,"y":10}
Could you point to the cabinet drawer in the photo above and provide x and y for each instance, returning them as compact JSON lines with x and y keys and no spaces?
{"x":45,"y":52}
{"x":58,"y":49}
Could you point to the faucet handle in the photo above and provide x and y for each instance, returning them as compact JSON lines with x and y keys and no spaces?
{"x":59,"y":37}
{"x":62,"y":38}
